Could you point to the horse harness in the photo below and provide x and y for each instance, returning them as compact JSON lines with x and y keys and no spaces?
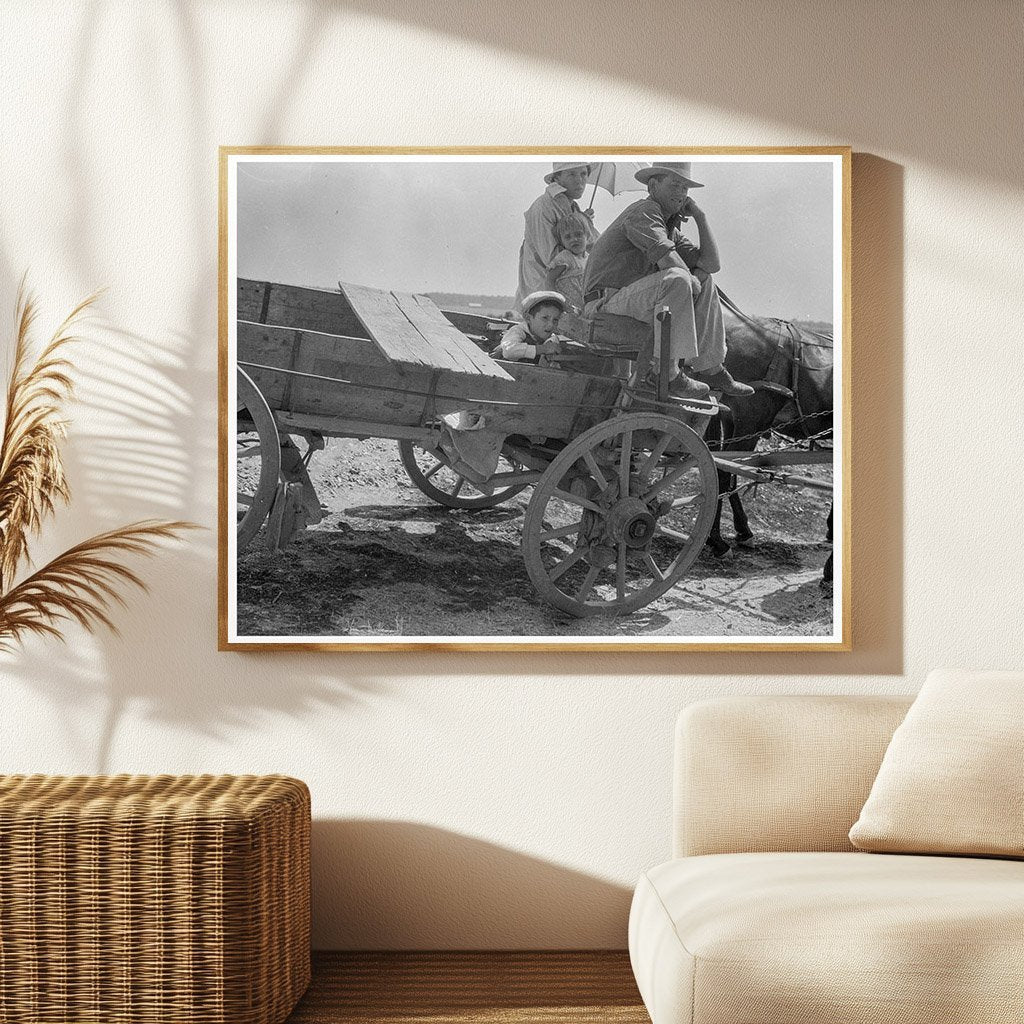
{"x":783,"y":374}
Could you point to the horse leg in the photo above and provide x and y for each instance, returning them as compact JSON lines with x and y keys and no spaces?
{"x":719,"y":546}
{"x":739,"y":520}
{"x":826,"y":573}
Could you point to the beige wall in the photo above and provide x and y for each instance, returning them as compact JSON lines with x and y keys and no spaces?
{"x":480,"y":800}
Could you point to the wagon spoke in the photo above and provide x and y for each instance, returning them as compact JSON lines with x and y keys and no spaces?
{"x":595,"y":470}
{"x":433,"y":469}
{"x":249,"y":451}
{"x":588,"y":584}
{"x":575,"y":499}
{"x":562,"y":567}
{"x":620,"y":572}
{"x":653,"y":565}
{"x":243,"y":499}
{"x":652,"y":459}
{"x":458,"y":486}
{"x":667,"y":531}
{"x":689,"y":501}
{"x":669,"y":478}
{"x":562,"y":531}
{"x":625,"y":457}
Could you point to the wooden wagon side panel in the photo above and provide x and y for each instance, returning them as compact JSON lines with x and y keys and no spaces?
{"x":333,"y":380}
{"x":307,"y":309}
{"x":316,"y":364}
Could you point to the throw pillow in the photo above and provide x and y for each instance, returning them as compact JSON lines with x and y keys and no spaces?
{"x":951,"y":780}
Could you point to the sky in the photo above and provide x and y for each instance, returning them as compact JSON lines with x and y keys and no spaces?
{"x":455,"y":225}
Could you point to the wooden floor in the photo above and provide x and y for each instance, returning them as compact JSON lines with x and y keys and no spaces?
{"x":465,"y":988}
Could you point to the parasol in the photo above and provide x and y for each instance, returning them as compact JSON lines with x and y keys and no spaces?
{"x":615,"y":178}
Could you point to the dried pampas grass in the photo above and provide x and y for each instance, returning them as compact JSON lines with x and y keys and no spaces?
{"x":81,"y":584}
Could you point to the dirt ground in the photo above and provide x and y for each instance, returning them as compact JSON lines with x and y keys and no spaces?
{"x":386,"y":561}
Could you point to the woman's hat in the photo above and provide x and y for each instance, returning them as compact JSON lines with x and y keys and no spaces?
{"x":679,"y":170}
{"x":536,"y":298}
{"x":555,"y":168}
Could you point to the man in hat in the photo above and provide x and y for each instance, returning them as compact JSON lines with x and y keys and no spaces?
{"x":643,"y":262}
{"x":565,"y":185}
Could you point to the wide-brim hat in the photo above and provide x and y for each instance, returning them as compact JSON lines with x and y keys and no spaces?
{"x":556,"y":168}
{"x":536,"y":298}
{"x":679,"y":170}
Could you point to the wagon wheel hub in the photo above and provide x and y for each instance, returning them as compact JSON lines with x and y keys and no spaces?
{"x":630,"y":522}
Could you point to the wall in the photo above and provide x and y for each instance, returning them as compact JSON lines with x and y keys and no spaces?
{"x":478,"y":800}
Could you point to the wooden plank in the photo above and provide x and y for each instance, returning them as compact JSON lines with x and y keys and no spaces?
{"x":268,"y":342}
{"x":335,"y":426}
{"x":437,"y":344}
{"x":387,"y":325}
{"x":786,"y":457}
{"x":771,"y":476}
{"x":440,"y":334}
{"x":556,"y":987}
{"x":410,"y":329}
{"x":308,"y":309}
{"x":576,"y":328}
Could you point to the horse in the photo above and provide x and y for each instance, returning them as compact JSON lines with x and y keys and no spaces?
{"x":790,"y":368}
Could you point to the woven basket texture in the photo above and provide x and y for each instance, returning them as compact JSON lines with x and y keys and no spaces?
{"x":139,"y":899}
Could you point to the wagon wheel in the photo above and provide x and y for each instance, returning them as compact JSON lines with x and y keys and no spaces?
{"x":620,"y":515}
{"x":256,"y":438}
{"x":430,"y":471}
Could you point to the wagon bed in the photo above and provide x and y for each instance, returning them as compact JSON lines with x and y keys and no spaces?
{"x":342,"y":364}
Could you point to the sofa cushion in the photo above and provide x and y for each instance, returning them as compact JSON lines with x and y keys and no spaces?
{"x":788,"y":938}
{"x":950,"y":780}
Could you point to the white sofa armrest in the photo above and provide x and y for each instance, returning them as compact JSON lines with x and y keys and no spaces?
{"x":786,"y":773}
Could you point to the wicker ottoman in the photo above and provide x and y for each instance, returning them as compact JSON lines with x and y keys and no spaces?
{"x":172,"y":899}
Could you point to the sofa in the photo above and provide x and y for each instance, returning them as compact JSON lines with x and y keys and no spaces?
{"x":768,"y":914}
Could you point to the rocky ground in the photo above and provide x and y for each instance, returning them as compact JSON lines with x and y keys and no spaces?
{"x":386,"y":561}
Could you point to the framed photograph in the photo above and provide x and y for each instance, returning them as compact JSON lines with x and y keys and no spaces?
{"x":509,"y":399}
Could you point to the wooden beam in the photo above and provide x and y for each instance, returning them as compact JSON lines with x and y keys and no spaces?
{"x":791,"y":457}
{"x":411,"y":331}
{"x":770,"y":476}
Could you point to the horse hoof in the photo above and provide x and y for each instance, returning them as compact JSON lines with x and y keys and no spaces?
{"x":719,"y":548}
{"x":745,"y":539}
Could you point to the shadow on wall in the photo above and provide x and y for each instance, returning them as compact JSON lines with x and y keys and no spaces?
{"x":146,"y":447}
{"x":402,"y":885}
{"x":143,"y":450}
{"x":894,"y":78}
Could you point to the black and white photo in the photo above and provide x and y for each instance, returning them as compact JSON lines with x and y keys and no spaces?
{"x":585,"y":399}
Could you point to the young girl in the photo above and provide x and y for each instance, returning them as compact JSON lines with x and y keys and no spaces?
{"x":565,"y":274}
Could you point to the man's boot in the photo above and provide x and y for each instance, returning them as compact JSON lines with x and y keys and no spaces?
{"x":680,"y":387}
{"x":722,"y":380}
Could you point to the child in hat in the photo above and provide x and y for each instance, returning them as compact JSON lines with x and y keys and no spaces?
{"x":528,"y":341}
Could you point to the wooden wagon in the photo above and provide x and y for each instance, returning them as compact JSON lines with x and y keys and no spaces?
{"x":624,"y":487}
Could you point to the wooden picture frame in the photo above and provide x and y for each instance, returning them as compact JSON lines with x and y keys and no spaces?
{"x":436,"y":456}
